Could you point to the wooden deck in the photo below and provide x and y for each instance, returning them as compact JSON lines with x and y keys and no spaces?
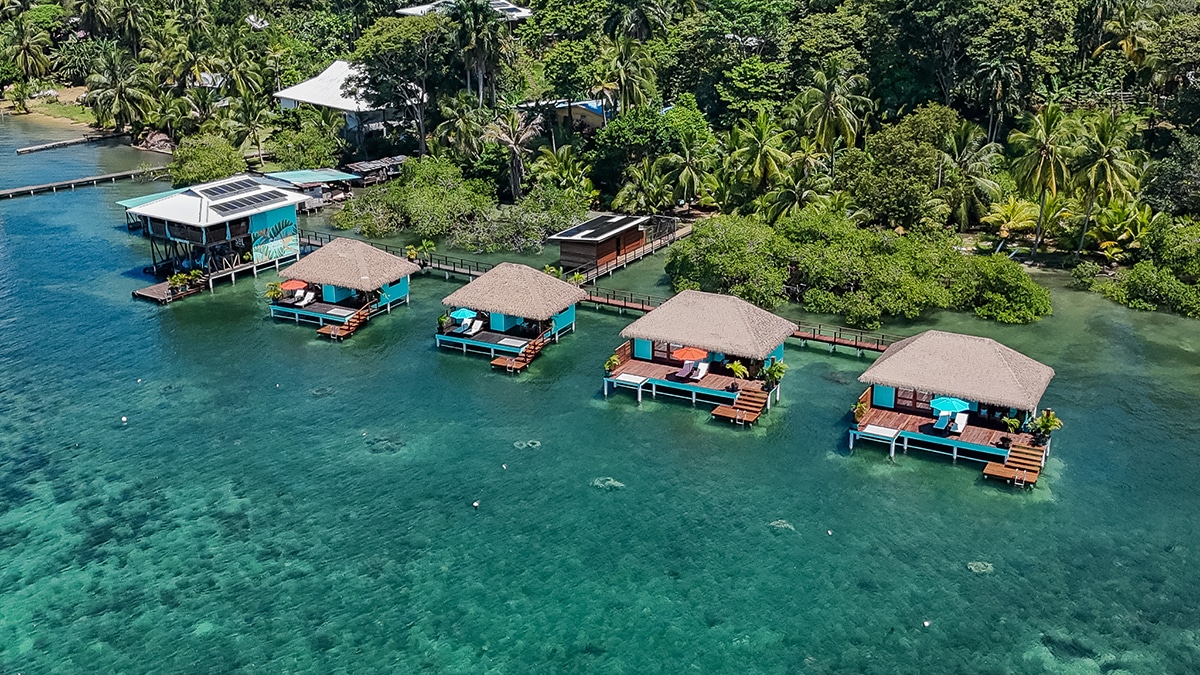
{"x":923,"y":424}
{"x":664,"y":372}
{"x":161,"y":293}
{"x":1021,"y":468}
{"x":746,"y":408}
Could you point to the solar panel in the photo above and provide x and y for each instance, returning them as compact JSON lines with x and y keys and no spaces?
{"x":236,"y":187}
{"x":249,"y":202}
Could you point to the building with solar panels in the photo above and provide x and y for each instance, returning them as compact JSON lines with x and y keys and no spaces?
{"x":218,"y":227}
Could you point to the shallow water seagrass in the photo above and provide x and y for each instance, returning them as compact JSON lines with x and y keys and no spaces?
{"x":325,"y":524}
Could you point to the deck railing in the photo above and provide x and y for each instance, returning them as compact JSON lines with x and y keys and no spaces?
{"x":623,"y":299}
{"x":593,"y":271}
{"x":845,"y":337}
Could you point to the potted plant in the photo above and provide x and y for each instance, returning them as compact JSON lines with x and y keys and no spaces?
{"x":443,"y":321}
{"x":177,"y":283}
{"x":577,"y":279}
{"x":410,"y":252}
{"x":195,"y":276}
{"x":1044,"y":425}
{"x":553,"y":271}
{"x":773,"y":374}
{"x":612,"y":363}
{"x":738,"y":370}
{"x":1014,"y":424}
{"x":859,"y":409}
{"x":274,"y":291}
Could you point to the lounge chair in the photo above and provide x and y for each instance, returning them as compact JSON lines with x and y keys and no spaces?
{"x":462,"y":327}
{"x":943,"y":421}
{"x":308,"y":299}
{"x":700,"y":371}
{"x":476,"y":326}
{"x":686,"y":370}
{"x":960,"y":423}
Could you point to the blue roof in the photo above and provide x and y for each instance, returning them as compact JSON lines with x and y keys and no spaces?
{"x":133,"y":202}
{"x":311,"y":176}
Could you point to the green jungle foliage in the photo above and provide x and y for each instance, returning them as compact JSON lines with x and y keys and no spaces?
{"x":1055,"y":131}
{"x":204,"y":158}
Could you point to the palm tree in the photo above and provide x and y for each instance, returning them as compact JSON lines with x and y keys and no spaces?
{"x":997,"y":80}
{"x":129,"y":19}
{"x":240,"y":66}
{"x":834,"y":106}
{"x":627,"y":64}
{"x":807,"y":155}
{"x":11,"y":9}
{"x":793,"y":190}
{"x":514,"y":130}
{"x":967,"y":150}
{"x":647,"y":189}
{"x":1132,"y":30}
{"x":1105,"y":166}
{"x":760,"y":153}
{"x":27,"y":45}
{"x":247,"y":119}
{"x":120,"y":89}
{"x":167,"y":112}
{"x":1011,"y":217}
{"x":462,"y":130}
{"x":1121,"y":225}
{"x":94,"y":15}
{"x":641,"y":21}
{"x":1044,"y":150}
{"x":564,"y":169}
{"x":842,"y":203}
{"x":689,"y":167}
{"x":478,"y":37}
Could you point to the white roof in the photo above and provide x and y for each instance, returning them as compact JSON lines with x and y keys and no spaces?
{"x":326,"y":89}
{"x":194,"y":207}
{"x":507,"y":10}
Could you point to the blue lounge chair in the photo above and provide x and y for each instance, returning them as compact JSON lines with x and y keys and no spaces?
{"x":943,"y":421}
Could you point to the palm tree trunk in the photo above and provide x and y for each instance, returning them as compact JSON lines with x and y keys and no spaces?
{"x":1087,"y":219}
{"x":1037,"y":239}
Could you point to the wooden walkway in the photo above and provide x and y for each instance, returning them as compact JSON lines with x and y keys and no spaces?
{"x":79,"y":182}
{"x":161,"y":293}
{"x":311,"y":239}
{"x":592,"y":272}
{"x":840,"y":336}
{"x":86,"y":138}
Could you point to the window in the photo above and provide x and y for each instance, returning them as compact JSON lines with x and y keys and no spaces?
{"x":911,"y":398}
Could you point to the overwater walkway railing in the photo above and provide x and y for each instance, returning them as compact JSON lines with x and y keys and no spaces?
{"x":841,"y":336}
{"x":438,"y":261}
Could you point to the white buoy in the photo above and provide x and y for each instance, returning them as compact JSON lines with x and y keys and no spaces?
{"x":504,"y":466}
{"x":139,"y":380}
{"x":829,"y":532}
{"x":124,"y":419}
{"x":927,"y":624}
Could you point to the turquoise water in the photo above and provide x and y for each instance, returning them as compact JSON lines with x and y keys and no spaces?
{"x":276,"y":503}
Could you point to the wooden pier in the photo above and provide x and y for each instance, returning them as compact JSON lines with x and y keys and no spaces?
{"x":841,"y":336}
{"x":593,"y":271}
{"x":623,"y":300}
{"x":79,"y":182}
{"x":87,"y":138}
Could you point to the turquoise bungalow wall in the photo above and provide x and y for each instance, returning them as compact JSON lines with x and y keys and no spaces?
{"x":563,"y":319}
{"x":642,"y":349}
{"x":883,"y":397}
{"x":502,"y":322}
{"x":776,"y":355}
{"x":393,"y":292}
{"x":274,"y":233}
{"x":331,"y":293}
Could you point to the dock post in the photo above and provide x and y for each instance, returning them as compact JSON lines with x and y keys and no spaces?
{"x":954,"y":454}
{"x":892,"y":449}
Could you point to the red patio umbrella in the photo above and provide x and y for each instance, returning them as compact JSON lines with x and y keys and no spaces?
{"x":293,"y":285}
{"x":689,"y":353}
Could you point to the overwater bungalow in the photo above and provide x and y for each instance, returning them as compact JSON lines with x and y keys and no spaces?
{"x":342,"y":285}
{"x":600,"y":241}
{"x":218,"y":228}
{"x":321,"y":186}
{"x":511,"y":312}
{"x":957,"y":395}
{"x":706,"y":348}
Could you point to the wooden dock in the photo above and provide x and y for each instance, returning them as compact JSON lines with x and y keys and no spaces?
{"x":593,"y":271}
{"x":515,"y":364}
{"x":746,"y":408}
{"x":86,"y":138}
{"x":79,"y":182}
{"x":1021,"y":468}
{"x":623,"y":300}
{"x":161,"y":293}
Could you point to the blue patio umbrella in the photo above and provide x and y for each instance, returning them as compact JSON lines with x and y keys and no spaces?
{"x":949,"y":404}
{"x":462,"y":314}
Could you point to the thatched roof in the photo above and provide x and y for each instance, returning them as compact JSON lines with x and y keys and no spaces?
{"x":718,"y":323}
{"x":516,"y":290}
{"x":350,"y":263}
{"x":964,"y":366}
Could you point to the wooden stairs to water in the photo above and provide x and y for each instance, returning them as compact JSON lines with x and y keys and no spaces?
{"x":345,"y":330}
{"x":515,"y":364}
{"x":1021,"y":468}
{"x":746,"y":408}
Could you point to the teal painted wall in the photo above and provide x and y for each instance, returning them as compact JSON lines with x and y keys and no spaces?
{"x":642,"y":349}
{"x":274,"y":233}
{"x":564,"y":318}
{"x":883,"y":397}
{"x":330,"y":293}
{"x":776,"y":355}
{"x":393,"y":292}
{"x":502,"y":322}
